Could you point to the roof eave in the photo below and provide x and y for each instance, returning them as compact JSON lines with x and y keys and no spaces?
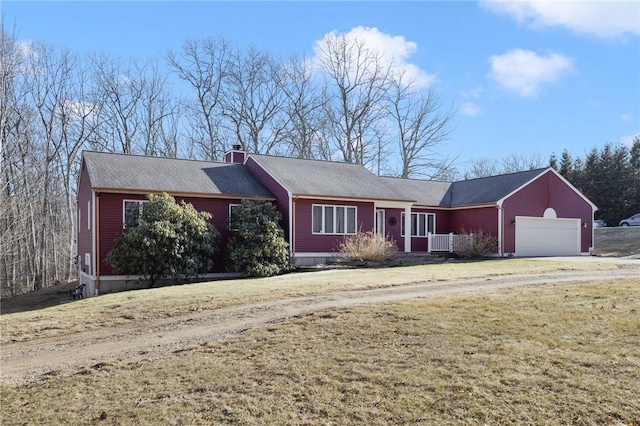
{"x":183,"y":193}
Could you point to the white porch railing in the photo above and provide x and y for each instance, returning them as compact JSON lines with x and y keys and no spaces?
{"x":448,"y":242}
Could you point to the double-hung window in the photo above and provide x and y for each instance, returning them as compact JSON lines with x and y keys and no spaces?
{"x":328,"y":219}
{"x":421,"y":224}
{"x":131,"y":212}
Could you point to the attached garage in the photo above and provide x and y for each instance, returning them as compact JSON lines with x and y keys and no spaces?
{"x":539,"y":236}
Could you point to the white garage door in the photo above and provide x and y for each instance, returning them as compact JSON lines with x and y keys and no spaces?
{"x":536,"y":236}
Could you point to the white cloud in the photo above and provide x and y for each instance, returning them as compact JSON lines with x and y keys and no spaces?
{"x":601,"y":18}
{"x":525,"y":72}
{"x":626,"y":116}
{"x":473,"y":93}
{"x":393,"y":50}
{"x":470,"y":109}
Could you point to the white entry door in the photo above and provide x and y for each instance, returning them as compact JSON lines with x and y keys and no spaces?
{"x":380,"y":222}
{"x":537,"y":236}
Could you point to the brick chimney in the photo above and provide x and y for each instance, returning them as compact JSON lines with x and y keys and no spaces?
{"x":235,"y":155}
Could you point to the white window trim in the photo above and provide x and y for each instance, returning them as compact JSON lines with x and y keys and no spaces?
{"x":87,"y":262}
{"x":124,"y":202}
{"x":334,"y":219}
{"x":426,"y":224}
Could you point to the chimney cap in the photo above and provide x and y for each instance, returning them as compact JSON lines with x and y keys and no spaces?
{"x":237,"y":147}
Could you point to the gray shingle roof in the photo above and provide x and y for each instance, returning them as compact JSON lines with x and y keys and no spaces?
{"x":424,"y":192}
{"x":327,"y":178}
{"x":462,"y":193}
{"x":489,"y":189}
{"x":156,"y":174}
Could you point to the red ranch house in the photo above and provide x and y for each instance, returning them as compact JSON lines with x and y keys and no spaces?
{"x":532,"y":213}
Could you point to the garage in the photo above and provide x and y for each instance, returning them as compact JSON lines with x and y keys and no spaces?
{"x":539,"y":236}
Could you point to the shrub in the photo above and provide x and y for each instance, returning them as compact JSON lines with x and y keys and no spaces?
{"x":257,"y":246}
{"x":168,"y":239}
{"x":477,"y":245}
{"x":367,"y":246}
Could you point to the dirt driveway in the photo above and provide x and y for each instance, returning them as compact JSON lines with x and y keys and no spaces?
{"x":31,"y":361}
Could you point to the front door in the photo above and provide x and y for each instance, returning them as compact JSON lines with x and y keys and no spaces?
{"x":380,"y":222}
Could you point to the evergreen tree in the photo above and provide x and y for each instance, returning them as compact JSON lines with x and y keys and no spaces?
{"x":168,"y":240}
{"x":258,"y":247}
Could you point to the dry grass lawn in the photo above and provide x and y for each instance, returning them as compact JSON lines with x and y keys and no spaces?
{"x":544,"y":355}
{"x":135,"y":307}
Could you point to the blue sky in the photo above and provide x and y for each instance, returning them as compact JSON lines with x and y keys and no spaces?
{"x":526,"y":77}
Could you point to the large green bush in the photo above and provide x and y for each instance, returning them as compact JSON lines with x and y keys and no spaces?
{"x":167,"y":240}
{"x":257,"y":246}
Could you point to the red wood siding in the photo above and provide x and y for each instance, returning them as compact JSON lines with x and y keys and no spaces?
{"x":307,"y":242}
{"x":469,"y":220}
{"x":234,"y":157}
{"x":111,"y":206}
{"x":547,"y":191}
{"x":84,"y":234}
{"x":281,"y":194}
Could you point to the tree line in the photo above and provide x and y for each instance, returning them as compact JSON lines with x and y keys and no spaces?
{"x":609,"y":177}
{"x":349,"y":103}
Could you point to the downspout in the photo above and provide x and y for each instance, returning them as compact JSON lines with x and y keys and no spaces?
{"x":292,"y":227}
{"x":97,"y":231}
{"x":93,"y":238}
{"x":500,"y":230}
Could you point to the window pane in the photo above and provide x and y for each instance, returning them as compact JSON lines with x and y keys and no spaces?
{"x":431,"y":228}
{"x":402,"y":224}
{"x":414,"y":224}
{"x":328,"y":219}
{"x":422,"y":219}
{"x":317,"y":219}
{"x":351,"y":220}
{"x":340,"y":218}
{"x":131,"y":212}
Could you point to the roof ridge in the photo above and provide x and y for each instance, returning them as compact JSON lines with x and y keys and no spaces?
{"x":503,"y":174}
{"x":307,"y":159}
{"x":122,"y":154}
{"x":416,"y":180}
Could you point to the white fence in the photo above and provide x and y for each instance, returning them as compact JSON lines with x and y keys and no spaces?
{"x":448,"y":242}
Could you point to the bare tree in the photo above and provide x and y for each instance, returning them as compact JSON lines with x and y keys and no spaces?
{"x":252,"y":102}
{"x":357,"y":81}
{"x":519,"y":162}
{"x":118,"y":95}
{"x":304,"y":104}
{"x":422,"y":127}
{"x":483,"y":167}
{"x":205,"y":66}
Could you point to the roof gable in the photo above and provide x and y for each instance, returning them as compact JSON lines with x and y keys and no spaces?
{"x":488,"y":189}
{"x":159,"y":174}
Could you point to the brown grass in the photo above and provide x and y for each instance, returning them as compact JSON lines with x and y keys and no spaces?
{"x":136,"y":307}
{"x":561,"y":354}
{"x":367,"y":246}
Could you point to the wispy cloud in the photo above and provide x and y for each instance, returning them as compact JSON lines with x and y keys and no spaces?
{"x":626,"y":116}
{"x":470,"y":109}
{"x":525,"y":72}
{"x":607,"y":19}
{"x":473,"y":93}
{"x":393,"y":50}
